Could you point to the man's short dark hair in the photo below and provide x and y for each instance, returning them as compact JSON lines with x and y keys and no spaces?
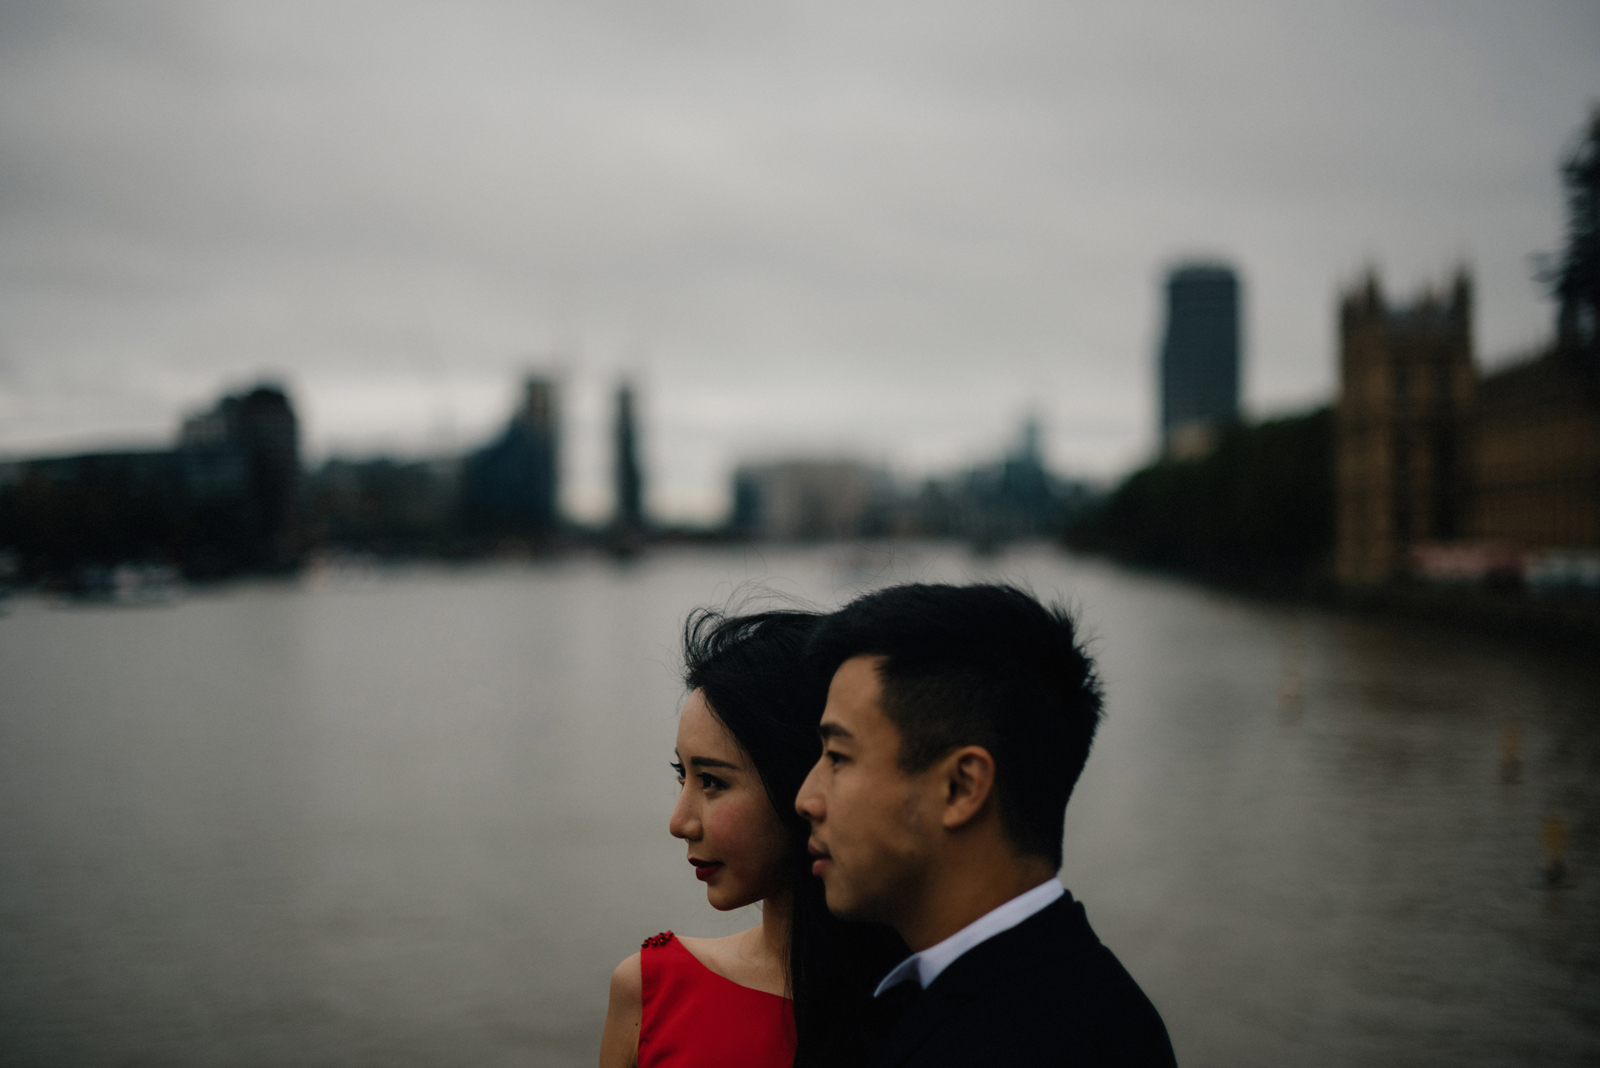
{"x":980,"y":665}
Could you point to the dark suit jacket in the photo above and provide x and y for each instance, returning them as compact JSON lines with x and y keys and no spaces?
{"x":1044,"y":992}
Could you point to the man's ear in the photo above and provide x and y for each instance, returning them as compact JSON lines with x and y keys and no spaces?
{"x":968,"y":782}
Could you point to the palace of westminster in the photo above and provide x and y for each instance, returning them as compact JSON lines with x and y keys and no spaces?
{"x":1435,"y":456}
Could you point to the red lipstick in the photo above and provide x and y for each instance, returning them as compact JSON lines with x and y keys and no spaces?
{"x":705,"y":870}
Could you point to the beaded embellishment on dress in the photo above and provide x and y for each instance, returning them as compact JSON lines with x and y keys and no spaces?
{"x":656,"y":941}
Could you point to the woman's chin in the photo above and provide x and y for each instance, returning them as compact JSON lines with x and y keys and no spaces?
{"x":723,"y":901}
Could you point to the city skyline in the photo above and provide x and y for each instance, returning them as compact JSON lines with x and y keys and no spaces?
{"x":800,"y":231}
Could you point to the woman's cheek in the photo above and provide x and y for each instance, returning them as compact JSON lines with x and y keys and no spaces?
{"x":732,"y":828}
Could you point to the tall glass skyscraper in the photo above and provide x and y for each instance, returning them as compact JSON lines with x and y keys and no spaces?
{"x":1199,"y":354}
{"x":629,"y":480}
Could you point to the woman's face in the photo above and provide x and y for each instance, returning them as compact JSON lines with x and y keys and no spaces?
{"x":736,"y":842}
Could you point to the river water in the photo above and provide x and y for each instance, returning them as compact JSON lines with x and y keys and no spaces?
{"x":416,"y":817}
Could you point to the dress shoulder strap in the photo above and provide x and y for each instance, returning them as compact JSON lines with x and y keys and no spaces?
{"x":656,"y":941}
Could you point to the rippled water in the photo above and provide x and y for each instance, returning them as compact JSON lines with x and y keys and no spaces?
{"x":415,"y":818}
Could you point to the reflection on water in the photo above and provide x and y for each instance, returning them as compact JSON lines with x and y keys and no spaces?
{"x":416,"y":818}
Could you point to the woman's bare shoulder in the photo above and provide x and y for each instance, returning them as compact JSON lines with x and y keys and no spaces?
{"x":628,"y":979}
{"x":698,"y":946}
{"x":741,"y":957}
{"x":714,"y":952}
{"x":619,"y":1043}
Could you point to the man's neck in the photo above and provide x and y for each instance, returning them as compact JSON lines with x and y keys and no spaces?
{"x":966,"y":892}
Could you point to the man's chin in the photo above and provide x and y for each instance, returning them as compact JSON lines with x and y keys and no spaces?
{"x":841,"y":905}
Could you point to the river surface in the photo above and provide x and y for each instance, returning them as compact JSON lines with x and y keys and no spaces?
{"x":416,"y":817}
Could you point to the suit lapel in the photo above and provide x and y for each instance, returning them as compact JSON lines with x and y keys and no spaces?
{"x":918,"y":1024}
{"x":1056,"y":931}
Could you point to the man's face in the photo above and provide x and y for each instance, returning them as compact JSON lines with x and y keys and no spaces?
{"x":874,"y":828}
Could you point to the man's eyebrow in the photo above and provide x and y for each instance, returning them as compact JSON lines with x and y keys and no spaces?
{"x":711,"y":762}
{"x":833,"y":730}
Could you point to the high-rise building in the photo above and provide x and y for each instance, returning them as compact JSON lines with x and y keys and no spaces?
{"x":1199,"y":356}
{"x":510,"y":488}
{"x":628,"y":477}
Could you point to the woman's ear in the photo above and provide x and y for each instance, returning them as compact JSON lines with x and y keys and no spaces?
{"x":968,"y":779}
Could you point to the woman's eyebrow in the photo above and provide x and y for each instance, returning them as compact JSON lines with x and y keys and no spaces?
{"x":711,"y":762}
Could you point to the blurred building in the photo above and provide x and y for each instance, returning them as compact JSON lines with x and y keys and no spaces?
{"x":63,"y":514}
{"x":988,"y":505}
{"x":224,"y":501}
{"x":991,"y":504}
{"x":1538,"y":421}
{"x":241,"y":464}
{"x":629,"y":479}
{"x":384,"y":506}
{"x":1402,"y":460}
{"x":510,"y":488}
{"x":807,"y":499}
{"x":1024,"y":491}
{"x":1536,"y":473}
{"x":1199,"y":357}
{"x":1443,"y":471}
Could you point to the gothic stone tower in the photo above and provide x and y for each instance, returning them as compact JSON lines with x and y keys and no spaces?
{"x":1405,"y":403}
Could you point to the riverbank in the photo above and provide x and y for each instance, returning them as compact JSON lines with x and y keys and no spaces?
{"x":1569,"y":623}
{"x":1563,"y":621}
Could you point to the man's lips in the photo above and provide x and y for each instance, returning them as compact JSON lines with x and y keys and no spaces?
{"x":823,"y":858}
{"x":704,"y":870}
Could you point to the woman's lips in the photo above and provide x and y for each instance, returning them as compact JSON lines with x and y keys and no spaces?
{"x":705,"y":870}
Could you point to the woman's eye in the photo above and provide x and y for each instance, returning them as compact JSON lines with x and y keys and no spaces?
{"x":677,"y":769}
{"x":711,"y":782}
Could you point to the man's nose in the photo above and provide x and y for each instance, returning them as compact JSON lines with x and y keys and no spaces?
{"x":808,"y":802}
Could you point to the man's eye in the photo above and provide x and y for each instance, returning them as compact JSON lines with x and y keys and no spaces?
{"x":833,"y":758}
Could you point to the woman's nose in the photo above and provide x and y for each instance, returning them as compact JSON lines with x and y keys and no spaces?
{"x":685,"y":822}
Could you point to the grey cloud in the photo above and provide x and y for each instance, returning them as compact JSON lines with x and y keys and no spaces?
{"x":928,"y":218}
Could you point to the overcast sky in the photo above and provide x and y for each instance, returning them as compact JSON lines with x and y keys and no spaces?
{"x":888,"y":230}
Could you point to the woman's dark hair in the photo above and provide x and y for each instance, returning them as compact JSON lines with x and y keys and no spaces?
{"x":758,"y":682}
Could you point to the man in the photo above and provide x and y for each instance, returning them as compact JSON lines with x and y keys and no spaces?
{"x":957,"y":723}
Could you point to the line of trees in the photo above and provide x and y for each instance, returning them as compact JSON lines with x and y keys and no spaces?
{"x":1260,"y":505}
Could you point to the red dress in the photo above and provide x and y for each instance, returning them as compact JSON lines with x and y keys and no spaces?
{"x":694,"y":1017}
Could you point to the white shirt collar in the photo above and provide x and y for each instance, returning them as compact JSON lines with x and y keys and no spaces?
{"x":925,"y":967}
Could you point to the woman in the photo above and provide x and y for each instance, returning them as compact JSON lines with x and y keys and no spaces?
{"x":797,"y":988}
